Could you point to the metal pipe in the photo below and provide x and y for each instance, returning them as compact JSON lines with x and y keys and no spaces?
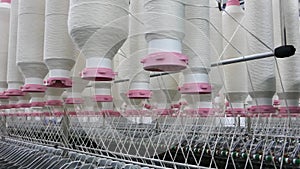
{"x":243,"y":59}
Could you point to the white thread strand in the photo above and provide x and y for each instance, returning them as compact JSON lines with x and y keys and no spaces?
{"x":14,"y":76}
{"x":30,"y":44}
{"x":98,"y":28}
{"x":235,"y":74}
{"x":59,"y":52}
{"x":262,"y":72}
{"x":4,"y":31}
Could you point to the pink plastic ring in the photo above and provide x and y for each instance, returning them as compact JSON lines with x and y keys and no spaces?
{"x":236,"y":111}
{"x":262,"y":109}
{"x":233,"y":3}
{"x":139,"y":94}
{"x":58,"y":82}
{"x":54,"y":103}
{"x":38,"y":104}
{"x":3,"y":96}
{"x":13,"y":92}
{"x":6,"y":1}
{"x":195,"y":88}
{"x":110,"y":113}
{"x":98,"y":74}
{"x":103,"y":98}
{"x":4,"y":107}
{"x":175,"y":106}
{"x":284,"y":110}
{"x":74,"y":101}
{"x":163,"y":112}
{"x":33,"y":88}
{"x":24,"y":105}
{"x":165,"y":61}
{"x":276,"y":102}
{"x":12,"y":106}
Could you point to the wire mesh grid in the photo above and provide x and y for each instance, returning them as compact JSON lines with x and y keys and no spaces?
{"x":169,"y":141}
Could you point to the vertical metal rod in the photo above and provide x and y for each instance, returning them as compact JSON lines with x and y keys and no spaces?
{"x":282,"y":22}
{"x":65,"y":126}
{"x":3,"y":128}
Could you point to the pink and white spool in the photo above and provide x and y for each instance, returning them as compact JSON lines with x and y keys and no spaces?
{"x":74,"y":94}
{"x":4,"y":36}
{"x":23,"y":101}
{"x":30,"y":44}
{"x":37,"y":99}
{"x":53,"y":97}
{"x":99,"y":34}
{"x":59,"y":54}
{"x":196,"y":46}
{"x":235,"y":75}
{"x":259,"y":21}
{"x":139,"y":78}
{"x":6,"y":1}
{"x":289,"y":67}
{"x":165,"y":31}
{"x":14,"y":77}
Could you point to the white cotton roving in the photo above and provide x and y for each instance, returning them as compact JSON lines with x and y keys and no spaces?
{"x":14,"y":77}
{"x":30,"y":43}
{"x":59,"y":51}
{"x":99,"y":29}
{"x":4,"y":36}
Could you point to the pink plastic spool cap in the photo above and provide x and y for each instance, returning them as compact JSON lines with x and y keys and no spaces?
{"x":233,"y":3}
{"x":195,"y":88}
{"x":6,"y":1}
{"x":165,"y":62}
{"x":103,"y":98}
{"x":236,"y":111}
{"x":205,"y":111}
{"x":98,"y":74}
{"x":175,"y":106}
{"x":74,"y":101}
{"x":38,"y":104}
{"x":163,"y":112}
{"x":58,"y":82}
{"x":262,"y":109}
{"x":286,"y":110}
{"x":3,"y":107}
{"x":276,"y":102}
{"x":12,"y":106}
{"x":13,"y":92}
{"x":24,"y":105}
{"x":148,"y":106}
{"x":34,"y":88}
{"x":139,"y":94}
{"x":3,"y":96}
{"x":108,"y":113}
{"x":54,"y":103}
